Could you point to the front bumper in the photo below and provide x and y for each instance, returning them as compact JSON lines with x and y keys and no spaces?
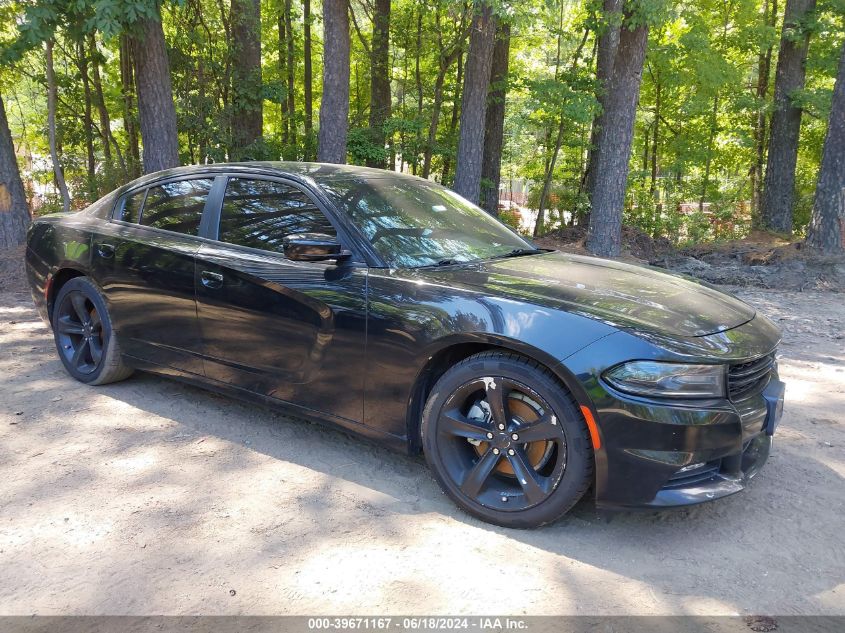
{"x":659,"y":453}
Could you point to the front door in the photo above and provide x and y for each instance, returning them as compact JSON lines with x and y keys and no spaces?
{"x":290,"y":330}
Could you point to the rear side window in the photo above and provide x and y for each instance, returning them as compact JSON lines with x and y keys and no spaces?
{"x":176,"y":206}
{"x":260,"y":213}
{"x":130,"y":209}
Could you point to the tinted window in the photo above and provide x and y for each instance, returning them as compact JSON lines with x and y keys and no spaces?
{"x":177,"y":206}
{"x":130,"y":210}
{"x":260,"y":213}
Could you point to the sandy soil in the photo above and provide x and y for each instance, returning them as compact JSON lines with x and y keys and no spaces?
{"x":153,"y":497}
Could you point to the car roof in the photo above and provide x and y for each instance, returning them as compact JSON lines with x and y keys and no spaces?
{"x":319,"y":172}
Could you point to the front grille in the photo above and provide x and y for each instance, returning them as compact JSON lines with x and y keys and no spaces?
{"x":748,"y":379}
{"x":704,"y":472}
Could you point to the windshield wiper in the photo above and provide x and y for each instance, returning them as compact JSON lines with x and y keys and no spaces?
{"x":448,"y":261}
{"x":519,"y":252}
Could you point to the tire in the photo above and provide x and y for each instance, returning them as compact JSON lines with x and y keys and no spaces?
{"x":82,"y":329}
{"x":527,"y":474}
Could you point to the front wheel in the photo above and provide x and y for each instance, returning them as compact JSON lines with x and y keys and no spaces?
{"x":82,"y":329}
{"x":505,"y":440}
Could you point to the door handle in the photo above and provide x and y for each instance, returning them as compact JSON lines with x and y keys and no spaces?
{"x":210,"y":279}
{"x":106,"y":251}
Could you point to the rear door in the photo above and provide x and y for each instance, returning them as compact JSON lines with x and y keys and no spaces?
{"x":289,"y":330}
{"x":144,"y":260}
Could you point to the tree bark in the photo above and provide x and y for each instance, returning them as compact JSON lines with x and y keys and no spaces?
{"x":474,"y":103}
{"x":764,"y":65}
{"x":14,"y":211}
{"x":605,"y":55}
{"x":334,"y":107}
{"x":494,"y":124}
{"x":291,"y":75}
{"x":380,"y":78}
{"x":453,"y":121}
{"x":308,"y":80}
{"x":711,"y":139}
{"x":283,"y":65}
{"x":51,"y":127}
{"x":613,"y":150}
{"x":99,"y":99}
{"x":156,"y":110}
{"x":779,"y":187}
{"x":87,"y":121}
{"x":130,"y":123}
{"x":827,"y":225}
{"x":247,"y":98}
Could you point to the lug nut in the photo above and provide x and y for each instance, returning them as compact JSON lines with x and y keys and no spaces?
{"x":495,"y":451}
{"x":505,"y":499}
{"x":489,"y":436}
{"x":515,"y":437}
{"x":511,"y":451}
{"x":501,"y":427}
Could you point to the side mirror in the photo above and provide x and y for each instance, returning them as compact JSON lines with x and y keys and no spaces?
{"x":312,"y":247}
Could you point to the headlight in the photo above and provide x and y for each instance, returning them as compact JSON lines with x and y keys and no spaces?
{"x":650,"y":378}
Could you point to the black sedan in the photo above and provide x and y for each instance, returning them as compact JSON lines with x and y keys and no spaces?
{"x":392,"y":307}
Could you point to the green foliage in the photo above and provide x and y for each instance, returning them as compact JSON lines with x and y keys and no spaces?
{"x":694,"y":141}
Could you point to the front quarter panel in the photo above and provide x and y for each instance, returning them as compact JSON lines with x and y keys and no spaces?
{"x":411,"y":320}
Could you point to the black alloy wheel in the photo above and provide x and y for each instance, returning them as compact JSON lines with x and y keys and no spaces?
{"x":505,"y":440}
{"x":82,"y":329}
{"x":79,"y":332}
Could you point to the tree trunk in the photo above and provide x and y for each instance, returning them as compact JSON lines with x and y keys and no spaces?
{"x":380,"y":78}
{"x":607,"y":44}
{"x":283,"y":65}
{"x":247,"y":98}
{"x":291,"y":78}
{"x":494,"y":125}
{"x":613,"y":149}
{"x":334,"y":107}
{"x":308,"y":80}
{"x":474,"y":103}
{"x":130,"y":123}
{"x":156,"y":111}
{"x":711,"y":138}
{"x":779,"y":187}
{"x":655,"y":136}
{"x":99,"y":99}
{"x":14,"y":212}
{"x":419,"y":84}
{"x":453,"y":121}
{"x":764,"y":65}
{"x":87,"y":121}
{"x":827,"y":226}
{"x":51,"y":127}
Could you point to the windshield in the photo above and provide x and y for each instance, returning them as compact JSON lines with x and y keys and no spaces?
{"x":413,"y":222}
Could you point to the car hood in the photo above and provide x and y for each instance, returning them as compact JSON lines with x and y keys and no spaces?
{"x":622,"y":295}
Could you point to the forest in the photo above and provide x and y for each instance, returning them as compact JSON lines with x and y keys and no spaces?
{"x":692,"y":121}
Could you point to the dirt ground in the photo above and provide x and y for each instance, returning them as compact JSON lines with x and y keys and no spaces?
{"x":760,"y":260}
{"x":153,"y":497}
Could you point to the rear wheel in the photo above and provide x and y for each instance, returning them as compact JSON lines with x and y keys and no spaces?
{"x":505,"y":440}
{"x":84,"y":337}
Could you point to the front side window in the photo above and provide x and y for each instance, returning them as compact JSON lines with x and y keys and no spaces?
{"x":260,"y":213}
{"x":413,"y":222}
{"x":176,"y":206}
